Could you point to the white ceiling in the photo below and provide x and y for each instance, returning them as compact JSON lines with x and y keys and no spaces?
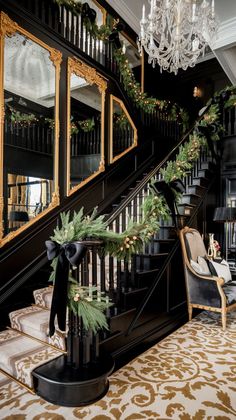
{"x":224,"y":47}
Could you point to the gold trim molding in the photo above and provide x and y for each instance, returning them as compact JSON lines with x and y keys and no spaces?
{"x":7,"y":28}
{"x":135,"y":140}
{"x":76,"y":66}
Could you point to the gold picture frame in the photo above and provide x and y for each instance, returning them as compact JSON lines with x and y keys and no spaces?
{"x":92,"y":77}
{"x":8,"y":28}
{"x":113,"y":158}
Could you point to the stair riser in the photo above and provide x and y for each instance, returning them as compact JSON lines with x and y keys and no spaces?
{"x":208,"y":165}
{"x":190,"y":199}
{"x":149,"y":262}
{"x":196,"y":189}
{"x":132,"y":299}
{"x":205,"y":173}
{"x":203,"y":182}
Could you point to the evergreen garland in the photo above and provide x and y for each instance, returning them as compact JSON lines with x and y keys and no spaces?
{"x":147,"y":104}
{"x":87,"y":125}
{"x":133,"y":89}
{"x":26,"y":120}
{"x":120,"y":120}
{"x":89,"y":304}
{"x":89,"y":18}
{"x":20,"y":118}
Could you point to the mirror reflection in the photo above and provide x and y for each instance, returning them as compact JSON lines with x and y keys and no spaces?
{"x":135,"y":61}
{"x":131,"y":51}
{"x":123,"y":131}
{"x":29,"y":98}
{"x":85,"y":134}
{"x":100,"y":11}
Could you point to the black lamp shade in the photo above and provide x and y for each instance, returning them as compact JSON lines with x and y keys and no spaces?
{"x":18,"y":216}
{"x":225,"y":214}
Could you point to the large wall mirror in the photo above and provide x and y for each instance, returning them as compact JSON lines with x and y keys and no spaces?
{"x":123,"y":133}
{"x":29,"y":128}
{"x":85,"y":127}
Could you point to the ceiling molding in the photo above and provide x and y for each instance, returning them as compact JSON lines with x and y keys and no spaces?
{"x":224,"y":48}
{"x":126,"y":13}
{"x":226,"y":34}
{"x":227,"y":60}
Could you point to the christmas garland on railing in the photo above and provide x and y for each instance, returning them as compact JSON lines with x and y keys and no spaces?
{"x":133,"y":88}
{"x":89,"y":18}
{"x":25,"y":120}
{"x":147,"y":104}
{"x":89,"y":304}
{"x":21,"y":118}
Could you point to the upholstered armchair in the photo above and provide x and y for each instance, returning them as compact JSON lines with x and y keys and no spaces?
{"x":204,"y":290}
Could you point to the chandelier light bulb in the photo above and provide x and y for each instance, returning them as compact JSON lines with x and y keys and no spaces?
{"x":176,"y":32}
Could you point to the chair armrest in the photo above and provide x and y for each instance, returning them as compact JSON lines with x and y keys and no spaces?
{"x":203,"y":289}
{"x":219,"y":280}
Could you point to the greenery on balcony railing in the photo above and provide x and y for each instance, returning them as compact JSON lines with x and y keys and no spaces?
{"x":131,"y":86}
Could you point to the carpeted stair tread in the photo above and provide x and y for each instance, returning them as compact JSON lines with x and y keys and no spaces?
{"x":20,"y":354}
{"x":43,"y":297}
{"x":34,"y":321}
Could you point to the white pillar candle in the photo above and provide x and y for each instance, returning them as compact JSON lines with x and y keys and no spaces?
{"x":143,"y":15}
{"x":193,"y":11}
{"x":213,"y":7}
{"x":152,"y":5}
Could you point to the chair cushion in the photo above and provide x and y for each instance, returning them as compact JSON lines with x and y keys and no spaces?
{"x":221,"y":270}
{"x":200,"y":267}
{"x":203,"y":261}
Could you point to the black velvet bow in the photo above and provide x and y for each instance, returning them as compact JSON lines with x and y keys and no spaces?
{"x":168,"y":192}
{"x":67,"y":253}
{"x":115,"y":39}
{"x":85,"y":9}
{"x":92,"y":15}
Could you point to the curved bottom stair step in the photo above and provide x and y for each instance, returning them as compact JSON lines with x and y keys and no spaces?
{"x":20,"y":355}
{"x":43,"y":297}
{"x":34,"y":321}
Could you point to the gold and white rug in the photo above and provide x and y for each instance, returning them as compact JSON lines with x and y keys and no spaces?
{"x":190,"y":375}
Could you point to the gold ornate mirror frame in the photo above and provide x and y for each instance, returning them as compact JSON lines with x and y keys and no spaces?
{"x":135,"y":139}
{"x":8,"y":28}
{"x":80,"y":69}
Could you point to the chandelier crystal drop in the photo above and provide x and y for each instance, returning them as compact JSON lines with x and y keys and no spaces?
{"x":176,"y":32}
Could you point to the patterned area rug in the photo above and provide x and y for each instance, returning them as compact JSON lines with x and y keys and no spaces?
{"x":190,"y":375}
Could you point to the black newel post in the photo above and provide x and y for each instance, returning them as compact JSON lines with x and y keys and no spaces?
{"x":79,"y":377}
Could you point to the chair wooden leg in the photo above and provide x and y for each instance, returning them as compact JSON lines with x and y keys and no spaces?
{"x":190,"y":312}
{"x":223,"y":317}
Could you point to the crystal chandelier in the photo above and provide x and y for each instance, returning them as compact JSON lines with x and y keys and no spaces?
{"x":182,"y":28}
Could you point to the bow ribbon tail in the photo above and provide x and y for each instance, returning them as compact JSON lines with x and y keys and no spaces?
{"x":59,"y":298}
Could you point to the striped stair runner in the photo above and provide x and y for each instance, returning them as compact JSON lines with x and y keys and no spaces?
{"x":26,"y":344}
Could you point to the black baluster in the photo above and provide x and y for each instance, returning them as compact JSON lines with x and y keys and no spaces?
{"x":72,"y":30}
{"x":67,"y":22}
